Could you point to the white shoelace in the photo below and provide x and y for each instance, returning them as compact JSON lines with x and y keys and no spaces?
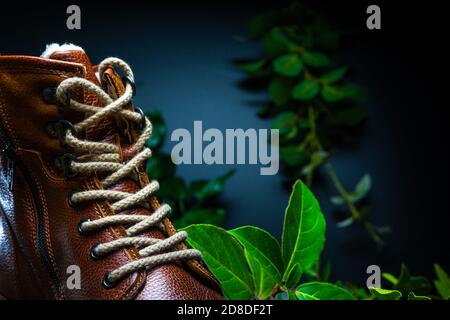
{"x":100,"y":157}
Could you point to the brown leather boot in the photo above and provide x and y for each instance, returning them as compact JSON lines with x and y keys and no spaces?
{"x":73,"y":188}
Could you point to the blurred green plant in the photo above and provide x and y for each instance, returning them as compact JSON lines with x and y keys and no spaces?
{"x":249,"y":263}
{"x":311,"y":102}
{"x":196,"y":202}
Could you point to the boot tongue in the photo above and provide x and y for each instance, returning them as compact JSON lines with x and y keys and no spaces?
{"x":71,"y":53}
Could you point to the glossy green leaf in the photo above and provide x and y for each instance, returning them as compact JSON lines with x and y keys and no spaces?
{"x":334,"y":75}
{"x":412,"y":296}
{"x":322,"y":291}
{"x":159,"y":129}
{"x":263,"y":255}
{"x":293,"y":275}
{"x":384,"y":294}
{"x":303,"y":229}
{"x":306,"y":90}
{"x":288,"y":65}
{"x":204,"y":189}
{"x":333,"y":93}
{"x":442,"y":283}
{"x":280,"y":90}
{"x":214,"y":216}
{"x":286,"y":122}
{"x":315,"y":59}
{"x":225,"y":258}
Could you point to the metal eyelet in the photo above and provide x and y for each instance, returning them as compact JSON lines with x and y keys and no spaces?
{"x":52,"y":129}
{"x":127,"y":79}
{"x":106,"y":283}
{"x":142,"y":114}
{"x":94,"y":256}
{"x":49,"y":95}
{"x":61,"y":128}
{"x":69,"y":200}
{"x":64,"y":162}
{"x":65,"y":102}
{"x":80,"y":226}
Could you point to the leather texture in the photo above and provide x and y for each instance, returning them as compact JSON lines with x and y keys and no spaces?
{"x":39,"y":240}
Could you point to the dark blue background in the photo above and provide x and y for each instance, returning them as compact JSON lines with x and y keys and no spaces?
{"x":181,"y":55}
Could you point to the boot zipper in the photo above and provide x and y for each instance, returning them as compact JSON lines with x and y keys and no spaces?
{"x":14,"y":161}
{"x":11,"y":164}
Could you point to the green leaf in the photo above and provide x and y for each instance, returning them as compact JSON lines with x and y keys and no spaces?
{"x":306,"y":90}
{"x":288,"y":65}
{"x":345,"y":223}
{"x":442,"y":283}
{"x":362,"y":188}
{"x":286,"y":122}
{"x":224,"y":257}
{"x":293,"y":275}
{"x":263,"y":255}
{"x":204,"y":189}
{"x":275,"y":43}
{"x":214,"y":216}
{"x":322,"y":291}
{"x":159,"y":129}
{"x":160,"y":166}
{"x":337,"y":93}
{"x":390,"y":277}
{"x":280,"y":90}
{"x":303,"y":229}
{"x":291,"y":296}
{"x":293,"y":155}
{"x":334,"y":75}
{"x":407,"y":283}
{"x":384,"y":294}
{"x":252,"y":67}
{"x":315,"y":59}
{"x":412,"y":296}
{"x":337,"y":200}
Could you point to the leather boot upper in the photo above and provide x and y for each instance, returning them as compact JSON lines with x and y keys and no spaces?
{"x":39,"y":236}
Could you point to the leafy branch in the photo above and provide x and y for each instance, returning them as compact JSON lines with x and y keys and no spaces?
{"x":311,"y":103}
{"x":249,"y":263}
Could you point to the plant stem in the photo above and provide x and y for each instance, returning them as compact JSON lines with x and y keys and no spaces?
{"x":354,"y":211}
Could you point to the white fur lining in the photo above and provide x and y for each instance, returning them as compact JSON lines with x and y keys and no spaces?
{"x":53,"y":47}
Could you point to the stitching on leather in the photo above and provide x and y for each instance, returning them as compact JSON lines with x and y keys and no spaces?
{"x":5,"y":117}
{"x":16,"y":70}
{"x":50,"y":174}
